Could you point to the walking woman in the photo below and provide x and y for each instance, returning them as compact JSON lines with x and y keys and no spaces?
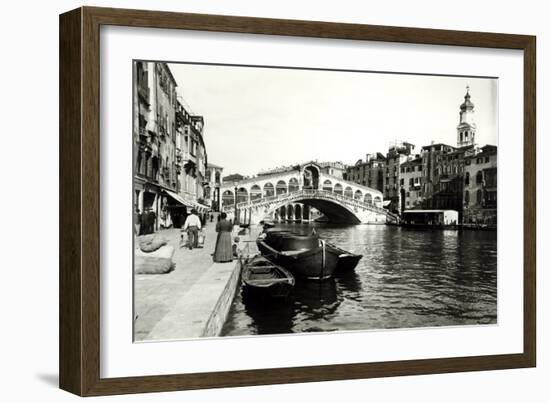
{"x":223,"y":252}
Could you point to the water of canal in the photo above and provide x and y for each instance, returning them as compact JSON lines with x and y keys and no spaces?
{"x":406,"y":278}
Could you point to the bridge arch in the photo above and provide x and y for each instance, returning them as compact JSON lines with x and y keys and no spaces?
{"x":242,"y":195}
{"x":293,"y":185}
{"x":335,"y":211}
{"x":255,"y":192}
{"x":290,"y":212}
{"x":311,"y":174}
{"x":269,"y":190}
{"x":228,"y":198}
{"x":298,"y":212}
{"x":348,"y":192}
{"x":281,"y":188}
{"x":368,"y":198}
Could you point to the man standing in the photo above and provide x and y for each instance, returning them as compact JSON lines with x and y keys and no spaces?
{"x":137,"y":222}
{"x":192,"y":225}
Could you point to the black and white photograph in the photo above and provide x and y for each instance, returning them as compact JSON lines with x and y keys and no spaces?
{"x":270,"y":200}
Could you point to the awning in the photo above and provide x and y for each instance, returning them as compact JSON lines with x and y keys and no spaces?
{"x":200,"y":207}
{"x":179,"y":199}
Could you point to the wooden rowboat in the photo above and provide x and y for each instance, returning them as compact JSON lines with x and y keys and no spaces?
{"x":262,"y":277}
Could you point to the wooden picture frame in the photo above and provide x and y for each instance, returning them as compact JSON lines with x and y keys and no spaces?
{"x":79,"y":346}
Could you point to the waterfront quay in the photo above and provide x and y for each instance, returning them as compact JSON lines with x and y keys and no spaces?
{"x":191,"y":301}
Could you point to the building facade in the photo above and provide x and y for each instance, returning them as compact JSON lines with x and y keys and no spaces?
{"x":369,"y":172}
{"x":398,"y":154}
{"x":169,"y":151}
{"x":155,"y":170}
{"x":480,"y":187}
{"x":192,"y":155}
{"x":411,"y":182}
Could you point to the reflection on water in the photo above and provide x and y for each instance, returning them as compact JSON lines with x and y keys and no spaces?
{"x":407,"y":278}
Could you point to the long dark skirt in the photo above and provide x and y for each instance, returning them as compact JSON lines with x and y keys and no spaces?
{"x":223,"y":252}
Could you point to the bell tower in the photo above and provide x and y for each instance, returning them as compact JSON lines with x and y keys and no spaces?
{"x":466,"y":129}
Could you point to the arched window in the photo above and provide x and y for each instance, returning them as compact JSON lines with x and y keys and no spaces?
{"x":358,"y":195}
{"x":368,"y":198}
{"x":269,"y":190}
{"x":281,"y":188}
{"x":138,"y":163}
{"x":255,"y":192}
{"x":242,"y":195}
{"x":338,"y":189}
{"x":377,"y":201}
{"x":348,"y":192}
{"x":466,"y":198}
{"x":479,"y":196}
{"x":467,"y":179}
{"x":479,"y":178}
{"x":293,"y":185}
{"x":227,"y":198}
{"x":327,"y":185}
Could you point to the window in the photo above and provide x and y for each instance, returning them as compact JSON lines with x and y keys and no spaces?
{"x":486,"y":159}
{"x":479,"y":196}
{"x":479,"y":178}
{"x":466,"y":198}
{"x":467,"y":179}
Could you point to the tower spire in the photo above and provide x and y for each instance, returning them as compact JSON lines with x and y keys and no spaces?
{"x":466,"y":129}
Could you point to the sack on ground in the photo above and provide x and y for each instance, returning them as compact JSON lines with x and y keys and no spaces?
{"x":151,"y":243}
{"x":157,"y":262}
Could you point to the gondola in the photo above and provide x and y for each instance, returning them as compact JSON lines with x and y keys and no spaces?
{"x":306,"y":256}
{"x":262,"y":277}
{"x":347,"y":261}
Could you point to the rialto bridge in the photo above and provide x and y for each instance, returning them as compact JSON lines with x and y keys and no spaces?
{"x":288,"y":196}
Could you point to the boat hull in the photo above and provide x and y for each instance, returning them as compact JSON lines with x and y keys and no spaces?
{"x":262,"y":278}
{"x":346,"y":261}
{"x":312,"y":264}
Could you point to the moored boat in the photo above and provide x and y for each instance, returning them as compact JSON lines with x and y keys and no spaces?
{"x":262,"y":277}
{"x":306,"y":256}
{"x":347,"y":261}
{"x":314,"y":264}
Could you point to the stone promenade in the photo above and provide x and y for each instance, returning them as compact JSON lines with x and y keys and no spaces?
{"x":193,"y":299}
{"x":156,"y":294}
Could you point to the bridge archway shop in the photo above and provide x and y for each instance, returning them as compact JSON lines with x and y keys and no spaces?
{"x":263,"y":196}
{"x":336,"y":208}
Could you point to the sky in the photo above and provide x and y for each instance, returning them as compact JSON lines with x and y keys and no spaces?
{"x":260,"y":118}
